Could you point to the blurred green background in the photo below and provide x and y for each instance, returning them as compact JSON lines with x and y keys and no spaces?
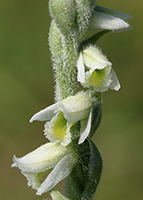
{"x":26,"y":86}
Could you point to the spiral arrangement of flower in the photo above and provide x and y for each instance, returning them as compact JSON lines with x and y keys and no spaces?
{"x":82,"y":72}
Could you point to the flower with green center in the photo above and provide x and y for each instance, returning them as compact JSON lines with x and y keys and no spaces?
{"x":95,"y":70}
{"x":63,"y":115}
{"x":50,"y":157}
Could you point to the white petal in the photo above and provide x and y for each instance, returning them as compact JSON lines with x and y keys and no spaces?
{"x":94,"y":58}
{"x":86,"y":131}
{"x":115,"y":85}
{"x":101,"y":20}
{"x":45,"y":114}
{"x":80,"y":68}
{"x":41,"y":159}
{"x":76,"y":107}
{"x":77,"y":116}
{"x":113,"y":13}
{"x":61,"y":171}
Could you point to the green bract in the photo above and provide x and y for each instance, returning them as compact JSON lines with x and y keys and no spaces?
{"x":95,"y":70}
{"x":63,"y":115}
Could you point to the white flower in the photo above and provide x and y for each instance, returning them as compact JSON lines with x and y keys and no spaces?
{"x":50,"y":157}
{"x":103,"y":18}
{"x":63,"y":115}
{"x":95,"y":70}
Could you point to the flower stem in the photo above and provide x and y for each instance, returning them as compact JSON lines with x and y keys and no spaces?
{"x":65,"y":53}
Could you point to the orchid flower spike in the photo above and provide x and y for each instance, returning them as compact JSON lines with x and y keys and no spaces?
{"x":63,"y":115}
{"x":50,"y":157}
{"x":95,"y":70}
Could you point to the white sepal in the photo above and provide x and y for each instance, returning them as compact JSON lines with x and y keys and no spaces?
{"x":85,"y":128}
{"x":80,"y":68}
{"x":104,"y":21}
{"x":115,"y":85}
{"x":61,"y":171}
{"x":45,"y":114}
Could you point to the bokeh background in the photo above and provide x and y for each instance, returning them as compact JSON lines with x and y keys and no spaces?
{"x":26,"y":86}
